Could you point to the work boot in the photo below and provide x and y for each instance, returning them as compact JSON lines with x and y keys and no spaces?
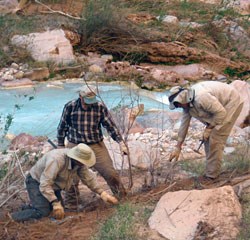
{"x":203,"y":181}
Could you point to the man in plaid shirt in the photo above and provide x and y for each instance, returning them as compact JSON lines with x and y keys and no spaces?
{"x":81,"y":122}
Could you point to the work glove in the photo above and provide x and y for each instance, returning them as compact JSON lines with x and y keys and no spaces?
{"x":123,"y":148}
{"x":108,"y":198}
{"x":175,"y":154}
{"x":206,"y":134}
{"x":58,"y":211}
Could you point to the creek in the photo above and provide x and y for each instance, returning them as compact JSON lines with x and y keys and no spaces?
{"x":37,"y":110}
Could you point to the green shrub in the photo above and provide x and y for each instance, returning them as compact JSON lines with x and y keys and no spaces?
{"x":3,"y":171}
{"x":119,"y":226}
{"x":196,"y":168}
{"x":124,"y":223}
{"x":228,"y":12}
{"x":238,"y":161}
{"x":231,"y":72}
{"x":98,"y":14}
{"x":245,"y":223}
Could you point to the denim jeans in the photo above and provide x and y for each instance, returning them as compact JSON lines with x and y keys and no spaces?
{"x":40,"y":206}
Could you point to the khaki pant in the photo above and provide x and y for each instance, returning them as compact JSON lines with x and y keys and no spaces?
{"x":214,"y":147}
{"x":105,"y":168}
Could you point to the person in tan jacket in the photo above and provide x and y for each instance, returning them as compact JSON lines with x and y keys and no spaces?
{"x":55,"y":172}
{"x":215,"y":104}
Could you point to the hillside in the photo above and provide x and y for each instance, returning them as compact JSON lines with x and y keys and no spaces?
{"x":148,"y":41}
{"x":158,"y":32}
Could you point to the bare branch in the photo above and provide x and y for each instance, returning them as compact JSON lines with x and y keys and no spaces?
{"x":19,"y":164}
{"x":59,"y":12}
{"x":13,"y":194}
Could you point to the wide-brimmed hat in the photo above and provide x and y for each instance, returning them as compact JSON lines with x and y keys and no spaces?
{"x":83,"y":154}
{"x":177,"y":94}
{"x":89,"y":94}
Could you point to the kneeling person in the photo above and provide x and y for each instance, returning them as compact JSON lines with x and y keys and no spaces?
{"x":55,"y":172}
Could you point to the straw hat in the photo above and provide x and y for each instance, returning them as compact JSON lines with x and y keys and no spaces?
{"x":83,"y":154}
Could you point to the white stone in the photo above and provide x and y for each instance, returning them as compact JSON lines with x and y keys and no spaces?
{"x":170,"y":19}
{"x":14,"y":65}
{"x":229,"y":150}
{"x":8,"y":77}
{"x":107,"y":57}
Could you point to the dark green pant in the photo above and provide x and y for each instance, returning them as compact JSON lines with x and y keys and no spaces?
{"x":40,"y":206}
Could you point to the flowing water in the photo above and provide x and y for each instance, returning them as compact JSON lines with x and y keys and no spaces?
{"x":37,"y":110}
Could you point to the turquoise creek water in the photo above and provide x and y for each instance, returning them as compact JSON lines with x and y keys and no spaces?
{"x":40,"y":107}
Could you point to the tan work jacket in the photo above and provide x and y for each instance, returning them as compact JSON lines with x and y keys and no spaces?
{"x":54,"y":172}
{"x":214,"y":104}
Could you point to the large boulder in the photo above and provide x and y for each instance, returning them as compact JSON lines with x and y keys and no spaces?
{"x":244,"y":88}
{"x":188,"y":215}
{"x":47,"y":46}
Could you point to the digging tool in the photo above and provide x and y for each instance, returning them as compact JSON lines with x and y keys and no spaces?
{"x":52,"y":144}
{"x":197,"y":150}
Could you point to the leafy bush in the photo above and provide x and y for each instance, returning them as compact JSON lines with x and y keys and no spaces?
{"x":98,"y":14}
{"x":124,"y":223}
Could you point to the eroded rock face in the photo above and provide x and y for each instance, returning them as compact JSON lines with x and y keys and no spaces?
{"x":180,"y":53}
{"x":183,"y":215}
{"x":26,"y":142}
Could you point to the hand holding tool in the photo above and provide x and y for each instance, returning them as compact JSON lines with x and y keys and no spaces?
{"x":206,"y":133}
{"x":197,"y":150}
{"x":123,"y":148}
{"x":175,"y":154}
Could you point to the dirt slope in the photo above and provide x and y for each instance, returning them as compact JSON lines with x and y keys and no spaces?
{"x":84,"y":224}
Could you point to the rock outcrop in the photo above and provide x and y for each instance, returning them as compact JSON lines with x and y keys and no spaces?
{"x":47,"y":46}
{"x":186,"y":215}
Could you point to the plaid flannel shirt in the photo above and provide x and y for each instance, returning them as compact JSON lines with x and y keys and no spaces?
{"x":81,"y":125}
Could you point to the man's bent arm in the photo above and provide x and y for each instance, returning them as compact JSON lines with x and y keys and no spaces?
{"x":63,"y":126}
